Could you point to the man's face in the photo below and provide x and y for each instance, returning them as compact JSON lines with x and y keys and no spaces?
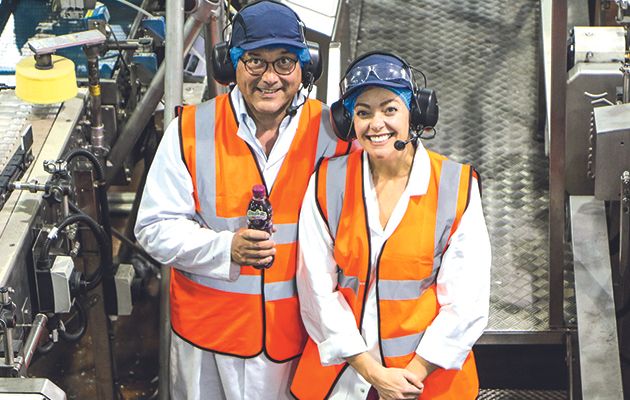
{"x":269,"y":94}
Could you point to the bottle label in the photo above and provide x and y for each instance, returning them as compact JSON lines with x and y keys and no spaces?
{"x":256,"y":215}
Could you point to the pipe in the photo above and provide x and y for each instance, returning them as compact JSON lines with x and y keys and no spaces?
{"x":199,"y":18}
{"x":626,"y":83}
{"x":8,"y":345}
{"x":165,"y":335}
{"x":30,"y":346}
{"x":97,"y":138}
{"x":134,"y":127}
{"x":5,"y":300}
{"x":174,"y":80}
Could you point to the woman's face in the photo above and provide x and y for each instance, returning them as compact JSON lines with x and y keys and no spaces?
{"x":380,"y":118}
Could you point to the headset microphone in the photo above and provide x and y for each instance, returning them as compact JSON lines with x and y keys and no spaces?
{"x":292,"y":110}
{"x":400,"y":144}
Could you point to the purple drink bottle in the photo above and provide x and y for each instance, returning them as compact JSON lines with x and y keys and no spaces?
{"x":259,"y":214}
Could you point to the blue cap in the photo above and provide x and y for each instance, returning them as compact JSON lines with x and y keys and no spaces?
{"x":373,"y":80}
{"x":265,"y":24}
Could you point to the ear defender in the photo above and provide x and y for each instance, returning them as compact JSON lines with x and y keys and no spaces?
{"x":341,"y":121}
{"x":424,"y":109}
{"x":222,"y":69}
{"x":312,"y":71}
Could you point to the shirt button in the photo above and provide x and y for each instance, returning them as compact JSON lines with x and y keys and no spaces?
{"x":362,"y":390}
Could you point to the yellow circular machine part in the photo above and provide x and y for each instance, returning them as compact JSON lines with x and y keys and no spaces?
{"x":45,"y":86}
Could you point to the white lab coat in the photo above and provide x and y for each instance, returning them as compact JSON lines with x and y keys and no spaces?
{"x":463,"y":284}
{"x":166,"y":229}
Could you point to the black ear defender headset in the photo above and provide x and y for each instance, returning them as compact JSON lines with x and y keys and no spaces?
{"x":225,"y":73}
{"x":423,"y":114}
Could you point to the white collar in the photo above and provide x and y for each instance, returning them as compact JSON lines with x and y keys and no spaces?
{"x":243,"y":117}
{"x":420,"y":171}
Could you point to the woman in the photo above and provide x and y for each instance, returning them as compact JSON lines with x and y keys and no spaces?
{"x":394,"y":269}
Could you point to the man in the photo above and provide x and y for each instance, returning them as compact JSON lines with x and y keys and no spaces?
{"x":237,"y":325}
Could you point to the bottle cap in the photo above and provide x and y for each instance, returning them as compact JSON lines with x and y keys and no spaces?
{"x":259,"y":191}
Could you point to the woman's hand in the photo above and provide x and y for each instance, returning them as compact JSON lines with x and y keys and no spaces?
{"x":390,"y":383}
{"x":397,"y":384}
{"x":420,"y":367}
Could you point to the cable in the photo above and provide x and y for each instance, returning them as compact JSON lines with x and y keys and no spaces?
{"x":76,"y":336}
{"x":104,"y":247}
{"x":100,"y":172}
{"x":46,"y":347}
{"x":120,"y":54}
{"x":421,"y":73}
{"x":93,"y":281}
{"x":101,"y":189}
{"x":135,"y":7}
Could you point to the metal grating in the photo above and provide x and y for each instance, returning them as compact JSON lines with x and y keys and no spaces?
{"x":481,"y":57}
{"x":501,"y":394}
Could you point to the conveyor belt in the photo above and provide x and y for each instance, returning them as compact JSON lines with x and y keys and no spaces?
{"x":482,"y":58}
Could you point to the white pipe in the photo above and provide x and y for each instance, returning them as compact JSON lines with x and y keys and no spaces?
{"x":174,"y":78}
{"x":334,"y":72}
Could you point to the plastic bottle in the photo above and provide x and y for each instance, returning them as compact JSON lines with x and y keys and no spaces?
{"x":259,"y":214}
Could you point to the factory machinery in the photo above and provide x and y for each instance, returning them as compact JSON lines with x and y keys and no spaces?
{"x":536,"y":95}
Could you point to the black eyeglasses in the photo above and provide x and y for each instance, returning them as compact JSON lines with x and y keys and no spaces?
{"x":257,"y":66}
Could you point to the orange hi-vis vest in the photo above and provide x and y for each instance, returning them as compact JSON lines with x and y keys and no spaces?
{"x":259,"y":312}
{"x":406,"y":271}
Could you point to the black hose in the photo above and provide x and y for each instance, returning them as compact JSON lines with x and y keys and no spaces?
{"x":100,"y":172}
{"x":46,"y":347}
{"x":104,"y":243}
{"x":101,"y":186}
{"x":78,"y":334}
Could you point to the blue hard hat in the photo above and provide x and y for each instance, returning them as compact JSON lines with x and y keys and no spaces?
{"x":265,"y":24}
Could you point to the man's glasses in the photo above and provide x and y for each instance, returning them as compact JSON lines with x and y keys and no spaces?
{"x":257,"y":66}
{"x":384,"y":72}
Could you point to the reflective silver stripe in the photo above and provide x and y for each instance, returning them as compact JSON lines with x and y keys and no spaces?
{"x":326,"y":140}
{"x":229,"y":224}
{"x":245,"y":284}
{"x":204,"y":152}
{"x":401,"y":346}
{"x":446,"y":208}
{"x":403,"y":289}
{"x":335,"y":191}
{"x":206,"y":170}
{"x":248,"y":284}
{"x":280,"y":290}
{"x":285,"y":233}
{"x":349,"y":282}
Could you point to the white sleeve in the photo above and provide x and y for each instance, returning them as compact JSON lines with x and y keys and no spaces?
{"x":463,"y":290}
{"x":165,"y":227}
{"x":326,"y":315}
